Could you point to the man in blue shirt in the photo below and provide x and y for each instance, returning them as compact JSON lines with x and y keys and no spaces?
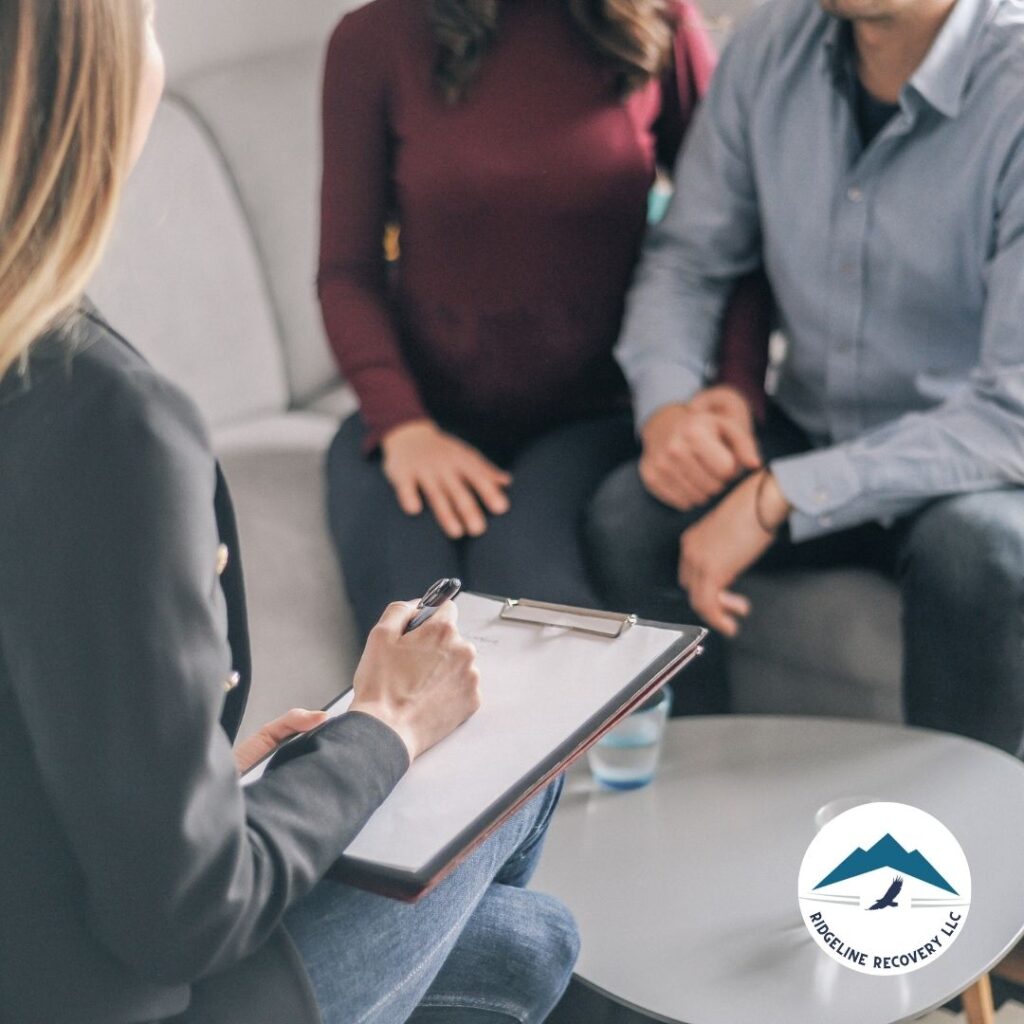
{"x":870,"y":155}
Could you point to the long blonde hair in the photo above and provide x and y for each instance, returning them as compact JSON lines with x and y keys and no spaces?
{"x":69,"y":80}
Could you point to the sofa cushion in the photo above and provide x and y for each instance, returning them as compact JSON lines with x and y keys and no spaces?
{"x":303,"y":638}
{"x":181,"y":279}
{"x":265,"y":115}
{"x":761,"y":684}
{"x":339,"y":403}
{"x":819,"y":642}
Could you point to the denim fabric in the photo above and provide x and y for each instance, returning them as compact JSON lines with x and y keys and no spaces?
{"x":479,"y":948}
{"x":959,"y":563}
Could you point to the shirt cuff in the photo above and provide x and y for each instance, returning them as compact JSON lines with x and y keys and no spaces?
{"x":669,"y":385}
{"x":817,"y":484}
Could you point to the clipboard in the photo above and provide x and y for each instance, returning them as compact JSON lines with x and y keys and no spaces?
{"x":581,"y":620}
{"x":554,"y":679}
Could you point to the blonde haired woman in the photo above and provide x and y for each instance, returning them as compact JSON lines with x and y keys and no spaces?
{"x":138,"y":880}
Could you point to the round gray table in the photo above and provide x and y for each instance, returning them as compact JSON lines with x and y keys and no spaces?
{"x":686,"y":891}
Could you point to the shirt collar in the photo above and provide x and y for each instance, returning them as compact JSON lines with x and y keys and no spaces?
{"x":838,"y":48}
{"x":941,"y":80}
{"x":942,"y":77}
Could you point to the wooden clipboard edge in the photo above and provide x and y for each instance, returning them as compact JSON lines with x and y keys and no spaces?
{"x":410,"y":887}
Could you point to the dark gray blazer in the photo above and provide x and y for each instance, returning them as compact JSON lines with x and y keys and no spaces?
{"x":138,"y":880}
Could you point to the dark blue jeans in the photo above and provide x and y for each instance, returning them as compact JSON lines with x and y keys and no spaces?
{"x":535,"y":550}
{"x":479,"y":949}
{"x":959,"y":562}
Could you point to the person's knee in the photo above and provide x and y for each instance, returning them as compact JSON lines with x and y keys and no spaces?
{"x":968,"y":551}
{"x":614,"y":532}
{"x":962,"y":574}
{"x":561,"y":946}
{"x":352,"y":481}
{"x":614,"y":505}
{"x":632,"y":543}
{"x":513,"y":962}
{"x":548,"y":943}
{"x":347,"y":443}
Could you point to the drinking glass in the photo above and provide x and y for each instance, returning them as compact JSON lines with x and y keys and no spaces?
{"x":627,"y":755}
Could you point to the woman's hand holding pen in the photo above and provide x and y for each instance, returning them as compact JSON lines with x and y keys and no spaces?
{"x":422,"y":684}
{"x":421,"y":461}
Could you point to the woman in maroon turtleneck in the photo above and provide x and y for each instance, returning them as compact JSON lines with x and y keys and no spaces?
{"x":513,"y":143}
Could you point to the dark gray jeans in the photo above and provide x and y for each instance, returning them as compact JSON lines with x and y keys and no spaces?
{"x":535,"y":550}
{"x":959,"y":563}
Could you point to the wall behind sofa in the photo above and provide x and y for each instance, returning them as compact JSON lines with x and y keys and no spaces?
{"x":198,"y":34}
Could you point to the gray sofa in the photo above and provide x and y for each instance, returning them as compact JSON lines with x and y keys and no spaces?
{"x":211,"y":273}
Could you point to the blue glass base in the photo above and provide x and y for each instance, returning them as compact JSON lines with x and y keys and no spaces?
{"x":625,"y":783}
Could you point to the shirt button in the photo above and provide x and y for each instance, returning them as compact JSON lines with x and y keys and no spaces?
{"x":821,"y":496}
{"x":825,"y":521}
{"x":854,"y":194}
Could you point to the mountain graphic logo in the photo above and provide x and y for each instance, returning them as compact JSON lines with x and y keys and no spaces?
{"x":889,"y":905}
{"x":886,"y":853}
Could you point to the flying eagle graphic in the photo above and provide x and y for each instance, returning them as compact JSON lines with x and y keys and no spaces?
{"x":889,"y":899}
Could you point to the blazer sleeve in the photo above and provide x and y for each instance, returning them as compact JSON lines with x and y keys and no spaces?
{"x":355,"y":202}
{"x":113,"y":627}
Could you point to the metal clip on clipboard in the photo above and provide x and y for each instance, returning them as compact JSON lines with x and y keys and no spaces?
{"x":565,"y":616}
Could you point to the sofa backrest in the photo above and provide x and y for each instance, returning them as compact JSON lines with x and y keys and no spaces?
{"x":182,"y":278}
{"x":264,"y":114}
{"x":211,"y":270}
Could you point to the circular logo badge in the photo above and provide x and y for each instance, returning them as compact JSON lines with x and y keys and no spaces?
{"x":884,"y":888}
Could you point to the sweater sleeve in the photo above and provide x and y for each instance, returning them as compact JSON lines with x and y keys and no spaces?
{"x":743,"y":347}
{"x":356,"y":196}
{"x":113,"y":629}
{"x":747,"y":324}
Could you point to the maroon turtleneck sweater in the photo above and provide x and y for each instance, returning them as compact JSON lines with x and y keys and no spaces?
{"x":521,"y":209}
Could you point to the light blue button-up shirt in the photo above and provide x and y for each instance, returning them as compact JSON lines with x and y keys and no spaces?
{"x":898,"y":269}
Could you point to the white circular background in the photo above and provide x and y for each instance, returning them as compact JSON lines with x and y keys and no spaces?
{"x":923,"y":911}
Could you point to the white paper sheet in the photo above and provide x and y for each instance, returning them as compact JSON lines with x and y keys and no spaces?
{"x":539,"y":686}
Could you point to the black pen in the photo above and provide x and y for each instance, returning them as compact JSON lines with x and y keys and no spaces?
{"x":436,"y":595}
